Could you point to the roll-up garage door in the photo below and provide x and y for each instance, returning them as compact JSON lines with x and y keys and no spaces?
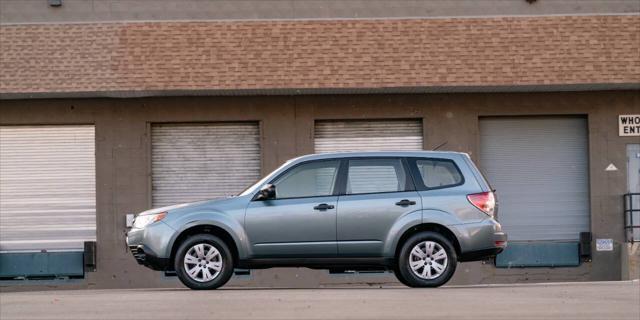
{"x":539,"y":167}
{"x":47,"y":187}
{"x":192,"y":162}
{"x":368,"y":135}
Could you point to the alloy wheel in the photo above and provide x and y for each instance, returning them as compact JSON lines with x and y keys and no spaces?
{"x":428,"y":260}
{"x":203,"y":262}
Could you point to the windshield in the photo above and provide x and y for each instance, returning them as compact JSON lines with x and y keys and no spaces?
{"x":248,"y":187}
{"x":255,"y":186}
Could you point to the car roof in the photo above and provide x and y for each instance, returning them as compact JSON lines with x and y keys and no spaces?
{"x":366,"y":154}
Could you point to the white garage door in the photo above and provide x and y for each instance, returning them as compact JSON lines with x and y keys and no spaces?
{"x":539,"y":167}
{"x":47,"y":187}
{"x":368,"y":135}
{"x":192,"y":162}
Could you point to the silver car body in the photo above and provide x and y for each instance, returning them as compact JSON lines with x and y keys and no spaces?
{"x":357,"y":226}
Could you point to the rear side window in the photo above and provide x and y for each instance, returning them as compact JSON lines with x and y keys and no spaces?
{"x":438,"y":173}
{"x":375,"y":176}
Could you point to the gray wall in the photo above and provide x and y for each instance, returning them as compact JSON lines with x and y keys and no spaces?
{"x":38,"y":11}
{"x":123,"y":164}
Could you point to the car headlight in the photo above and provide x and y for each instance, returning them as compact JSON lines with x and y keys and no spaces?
{"x":147,"y":219}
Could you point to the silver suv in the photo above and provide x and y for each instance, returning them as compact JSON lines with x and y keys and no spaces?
{"x":416,"y":213}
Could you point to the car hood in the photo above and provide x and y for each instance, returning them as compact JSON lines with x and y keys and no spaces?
{"x":190,"y":205}
{"x":172,"y":207}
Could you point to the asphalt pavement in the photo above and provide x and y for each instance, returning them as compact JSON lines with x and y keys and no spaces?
{"x":595,"y":300}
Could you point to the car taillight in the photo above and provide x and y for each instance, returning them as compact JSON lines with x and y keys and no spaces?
{"x":484,"y":201}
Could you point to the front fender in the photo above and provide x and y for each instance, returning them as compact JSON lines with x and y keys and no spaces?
{"x":210,"y":218}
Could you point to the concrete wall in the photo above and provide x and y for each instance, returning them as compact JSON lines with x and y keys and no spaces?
{"x":38,"y":11}
{"x":631,"y":261}
{"x":123,"y":164}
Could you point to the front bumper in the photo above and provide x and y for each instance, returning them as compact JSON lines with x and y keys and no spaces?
{"x":149,"y":260}
{"x":150,"y":246}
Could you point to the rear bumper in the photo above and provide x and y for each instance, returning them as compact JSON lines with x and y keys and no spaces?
{"x":500,"y":240}
{"x":480,"y":241}
{"x":480,"y":255}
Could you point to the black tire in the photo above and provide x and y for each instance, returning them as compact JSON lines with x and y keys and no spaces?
{"x":226,"y":258}
{"x":396,"y":272}
{"x":407,"y":276}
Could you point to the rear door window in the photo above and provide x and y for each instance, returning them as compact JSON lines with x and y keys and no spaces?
{"x":376,"y":175}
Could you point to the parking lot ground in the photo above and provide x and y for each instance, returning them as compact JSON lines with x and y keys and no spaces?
{"x":594,"y":300}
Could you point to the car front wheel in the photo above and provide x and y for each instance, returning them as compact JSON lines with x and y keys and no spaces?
{"x":427,"y":259}
{"x":203,"y":262}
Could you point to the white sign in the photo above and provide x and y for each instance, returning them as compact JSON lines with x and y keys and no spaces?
{"x":130,"y":217}
{"x":629,"y":125}
{"x":611,"y":167}
{"x":604,"y":244}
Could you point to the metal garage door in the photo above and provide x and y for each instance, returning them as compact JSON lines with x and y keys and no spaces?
{"x":193,"y":162}
{"x":539,"y":166}
{"x":368,"y":135}
{"x":47,"y":187}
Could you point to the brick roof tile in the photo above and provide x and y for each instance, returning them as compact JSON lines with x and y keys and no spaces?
{"x":318,"y":54}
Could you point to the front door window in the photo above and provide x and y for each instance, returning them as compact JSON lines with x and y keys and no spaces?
{"x":314,"y":179}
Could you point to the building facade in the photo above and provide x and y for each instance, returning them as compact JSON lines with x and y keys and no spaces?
{"x":544,"y":96}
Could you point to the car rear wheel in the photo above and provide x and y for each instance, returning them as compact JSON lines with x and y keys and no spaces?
{"x":203,"y":262}
{"x":426,"y":259}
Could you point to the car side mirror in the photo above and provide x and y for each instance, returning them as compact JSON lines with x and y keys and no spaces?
{"x":267,"y":192}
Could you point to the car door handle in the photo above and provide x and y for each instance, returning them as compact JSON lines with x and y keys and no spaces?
{"x":323,"y":206}
{"x":405,"y":202}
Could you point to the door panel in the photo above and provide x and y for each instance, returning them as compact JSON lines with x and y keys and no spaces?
{"x":365,"y":220}
{"x":292,"y":227}
{"x":301,"y":221}
{"x":377,"y":195}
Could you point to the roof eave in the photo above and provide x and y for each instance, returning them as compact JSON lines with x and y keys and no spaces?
{"x":320,"y":91}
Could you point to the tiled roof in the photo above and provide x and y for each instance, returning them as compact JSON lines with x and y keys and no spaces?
{"x":319,"y":54}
